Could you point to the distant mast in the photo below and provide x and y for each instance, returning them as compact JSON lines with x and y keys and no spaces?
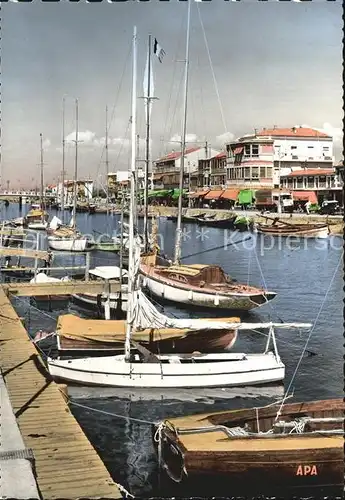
{"x":107,"y":158}
{"x":75,"y":168}
{"x":63,"y":162}
{"x":42,"y":184}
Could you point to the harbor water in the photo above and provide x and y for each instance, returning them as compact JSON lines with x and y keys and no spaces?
{"x":307,"y":276}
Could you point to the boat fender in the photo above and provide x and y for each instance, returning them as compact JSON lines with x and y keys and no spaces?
{"x":144,"y":282}
{"x":216,"y":300}
{"x":190,"y":295}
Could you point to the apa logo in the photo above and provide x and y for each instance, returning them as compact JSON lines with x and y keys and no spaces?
{"x":306,"y":470}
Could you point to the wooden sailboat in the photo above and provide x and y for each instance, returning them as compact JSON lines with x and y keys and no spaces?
{"x":196,"y":285}
{"x":64,"y":238}
{"x":77,"y":337}
{"x":252,"y":448}
{"x":280,"y":227}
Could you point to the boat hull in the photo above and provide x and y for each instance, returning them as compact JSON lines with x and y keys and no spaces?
{"x":320,"y":232}
{"x":90,"y":301}
{"x":68,"y":244}
{"x":207,"y":341}
{"x":114,"y":371}
{"x":194,"y":298}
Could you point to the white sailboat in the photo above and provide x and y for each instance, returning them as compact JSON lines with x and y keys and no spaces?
{"x":67,"y":238}
{"x":138,"y":367}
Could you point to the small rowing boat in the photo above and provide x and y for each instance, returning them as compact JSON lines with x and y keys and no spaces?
{"x":280,"y":227}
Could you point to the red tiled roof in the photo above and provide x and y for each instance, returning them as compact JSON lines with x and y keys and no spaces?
{"x":292,"y":132}
{"x":305,"y":196}
{"x":177,"y":154}
{"x":312,"y":171}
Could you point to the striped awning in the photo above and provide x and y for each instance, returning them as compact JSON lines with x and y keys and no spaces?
{"x":238,"y":150}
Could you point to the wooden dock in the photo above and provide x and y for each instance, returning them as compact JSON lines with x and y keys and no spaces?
{"x":56,"y":288}
{"x":24,"y":252}
{"x":66,"y":464}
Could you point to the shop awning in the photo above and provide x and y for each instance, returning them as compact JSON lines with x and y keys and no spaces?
{"x":238,"y":150}
{"x":305,"y":196}
{"x":230,"y":194}
{"x":197,"y":194}
{"x":214,"y":194}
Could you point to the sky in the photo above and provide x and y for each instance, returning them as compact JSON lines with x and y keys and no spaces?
{"x":251,"y":65}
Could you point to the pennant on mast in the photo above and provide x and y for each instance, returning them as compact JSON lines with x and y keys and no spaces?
{"x":158,"y":50}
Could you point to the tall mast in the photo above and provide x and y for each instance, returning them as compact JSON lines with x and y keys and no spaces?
{"x":107,"y":157}
{"x":133,"y":203}
{"x":147,"y":157}
{"x":75,"y":167}
{"x":63,"y":161}
{"x":177,"y":256}
{"x":42,"y":200}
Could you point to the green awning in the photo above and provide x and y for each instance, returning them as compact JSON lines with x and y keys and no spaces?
{"x":176,"y":193}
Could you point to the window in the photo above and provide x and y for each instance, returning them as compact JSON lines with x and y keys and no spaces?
{"x":290,"y":183}
{"x":269,"y":172}
{"x":262,"y":172}
{"x":310,"y":182}
{"x":255,"y":150}
{"x":294,"y":157}
{"x":247,"y":172}
{"x":310,"y":147}
{"x":247,"y":150}
{"x":325,"y":148}
{"x":299,"y":182}
{"x":293,"y":147}
{"x":255,"y":172}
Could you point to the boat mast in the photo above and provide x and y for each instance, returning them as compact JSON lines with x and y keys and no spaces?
{"x":63,"y":162}
{"x":42,"y":200}
{"x":147,"y":158}
{"x":177,"y":256}
{"x":75,"y":167}
{"x":132,"y":203}
{"x":107,"y":158}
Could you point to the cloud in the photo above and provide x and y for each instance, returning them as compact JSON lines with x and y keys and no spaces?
{"x":191,"y":138}
{"x":223,"y":139}
{"x":87,"y":137}
{"x":327,"y":128}
{"x":46,"y":143}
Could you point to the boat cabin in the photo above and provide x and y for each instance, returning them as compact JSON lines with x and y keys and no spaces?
{"x":194,"y":274}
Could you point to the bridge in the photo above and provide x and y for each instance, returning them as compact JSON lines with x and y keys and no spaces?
{"x":8,"y":195}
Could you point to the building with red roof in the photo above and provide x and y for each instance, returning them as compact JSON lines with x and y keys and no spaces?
{"x":262,"y":157}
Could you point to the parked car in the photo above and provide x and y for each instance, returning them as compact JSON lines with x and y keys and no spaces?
{"x":329,"y":207}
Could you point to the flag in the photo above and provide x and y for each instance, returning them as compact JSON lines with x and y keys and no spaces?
{"x":157,"y":49}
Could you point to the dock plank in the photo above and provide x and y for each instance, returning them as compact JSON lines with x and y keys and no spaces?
{"x":41,"y":407}
{"x":63,"y":288}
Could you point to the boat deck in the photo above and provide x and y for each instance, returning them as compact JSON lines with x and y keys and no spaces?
{"x":66,"y":464}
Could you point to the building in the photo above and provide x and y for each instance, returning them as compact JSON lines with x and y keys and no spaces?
{"x":315,"y":185}
{"x":84,"y":190}
{"x":166,"y":170}
{"x":260,"y":159}
{"x":212,"y":171}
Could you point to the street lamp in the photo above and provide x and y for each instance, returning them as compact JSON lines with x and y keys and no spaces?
{"x":280,"y":156}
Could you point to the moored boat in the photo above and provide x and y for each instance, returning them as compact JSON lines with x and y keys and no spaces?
{"x":270,"y":449}
{"x":78,"y":336}
{"x":280,"y":227}
{"x":200,"y":285}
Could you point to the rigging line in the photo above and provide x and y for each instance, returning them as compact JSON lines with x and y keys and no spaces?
{"x":312,"y":353}
{"x":212,"y":70}
{"x":139,"y":420}
{"x":215,"y":248}
{"x":33,"y":307}
{"x":173,"y":80}
{"x":172,"y":124}
{"x":115,"y":104}
{"x":203,"y":114}
{"x":309,"y":336}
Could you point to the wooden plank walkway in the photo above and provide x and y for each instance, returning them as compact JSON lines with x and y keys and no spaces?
{"x":24,"y":252}
{"x":63,"y":288}
{"x":67,"y":466}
